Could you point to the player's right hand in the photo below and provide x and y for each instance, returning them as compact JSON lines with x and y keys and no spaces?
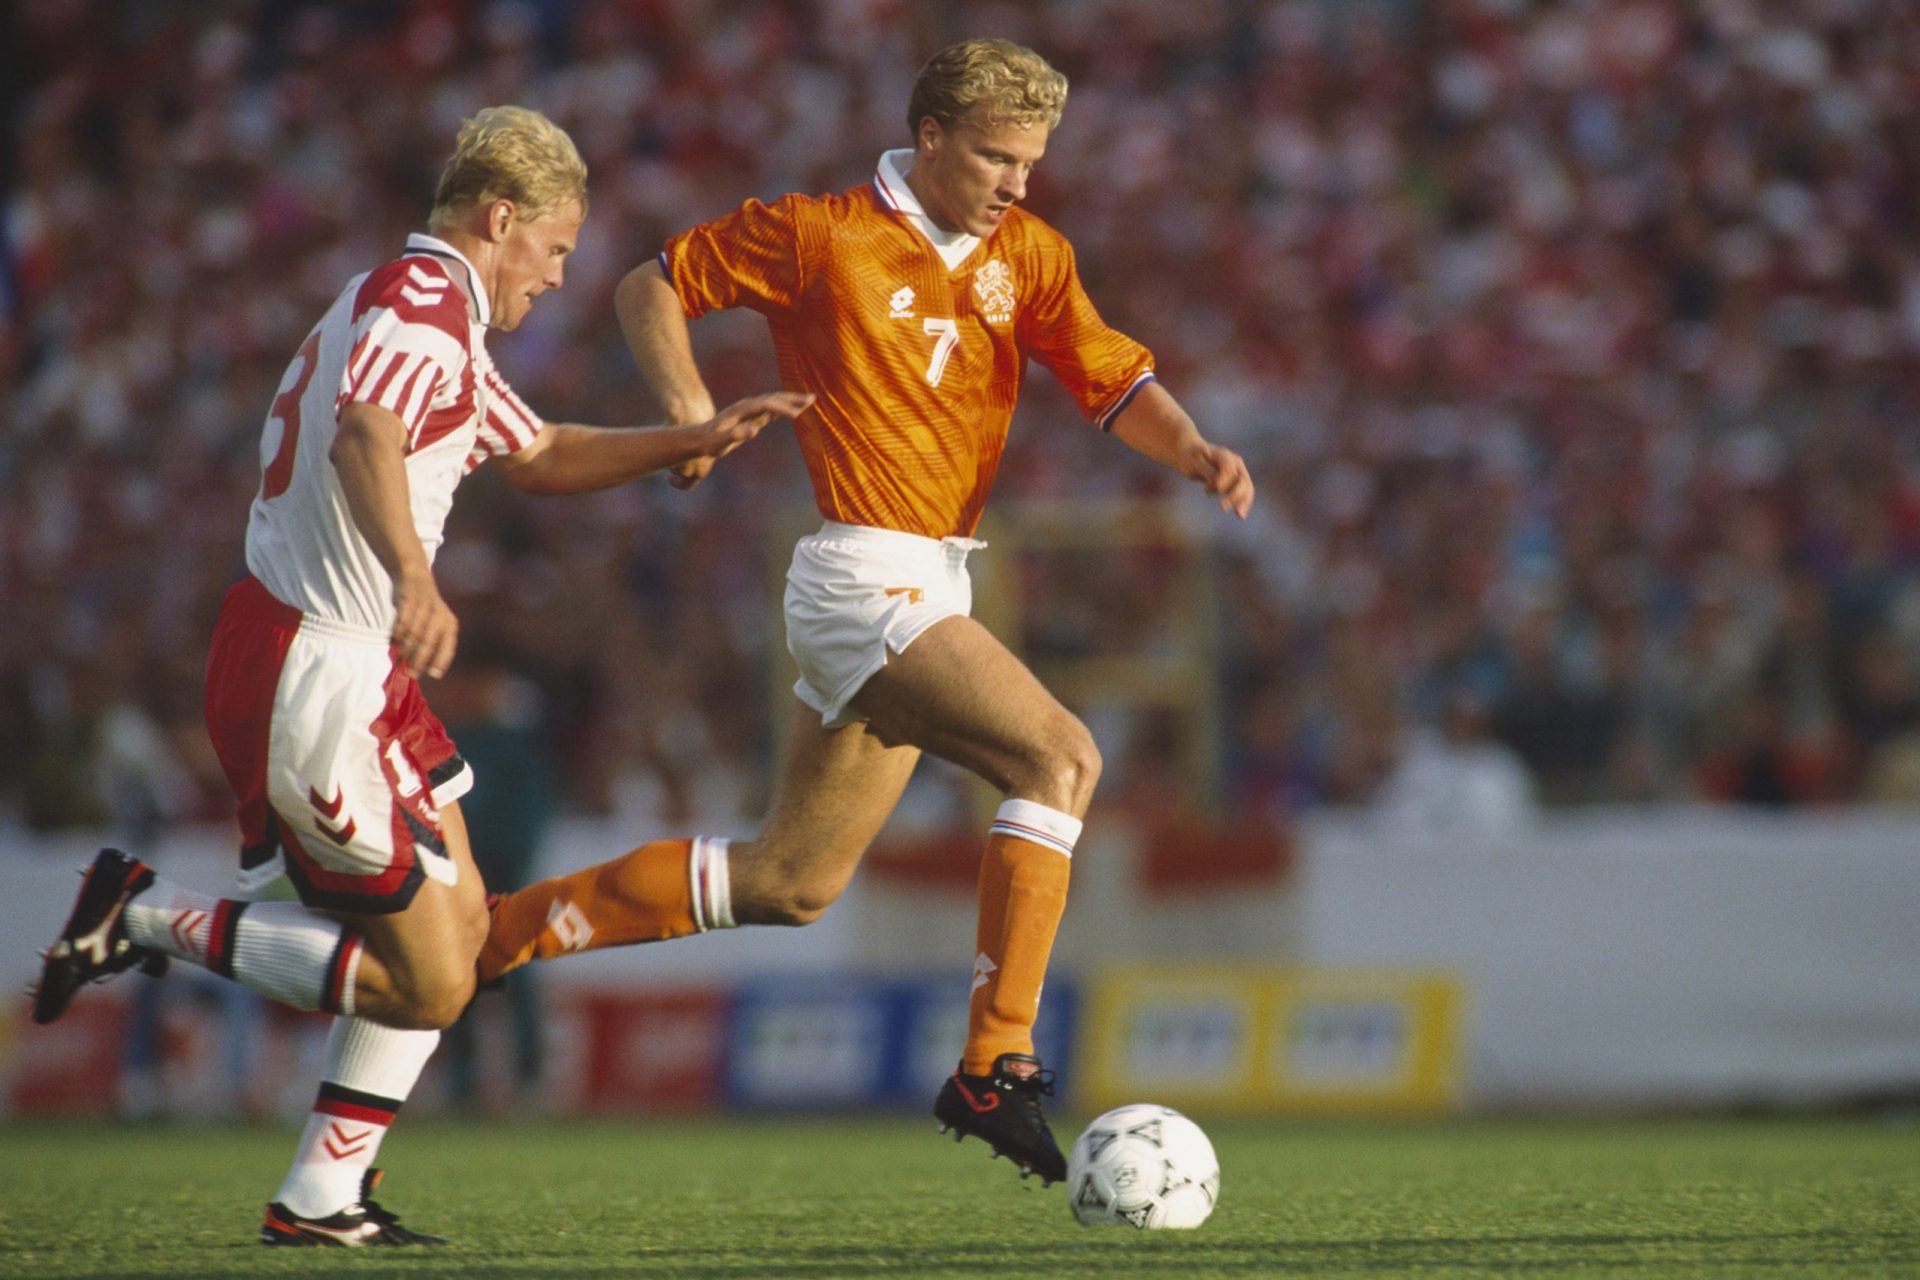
{"x":690,"y":473}
{"x":733,"y":426}
{"x":424,"y":629}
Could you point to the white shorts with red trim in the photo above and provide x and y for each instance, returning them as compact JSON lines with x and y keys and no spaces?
{"x":339,"y":766}
{"x":856,"y":594}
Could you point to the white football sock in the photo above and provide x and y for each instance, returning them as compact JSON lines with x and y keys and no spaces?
{"x":169,"y":918}
{"x":283,"y":950}
{"x":370,"y":1071}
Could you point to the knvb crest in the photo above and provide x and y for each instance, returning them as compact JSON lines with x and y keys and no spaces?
{"x":993,"y":285}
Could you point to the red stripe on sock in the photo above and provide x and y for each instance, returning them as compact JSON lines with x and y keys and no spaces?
{"x":354,"y":1111}
{"x":334,"y":997}
{"x":220,"y":940}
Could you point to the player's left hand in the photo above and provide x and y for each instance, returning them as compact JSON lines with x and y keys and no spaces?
{"x":1223,"y":473}
{"x":732,"y":427}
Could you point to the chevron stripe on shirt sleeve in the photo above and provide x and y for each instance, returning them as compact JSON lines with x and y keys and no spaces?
{"x":509,"y":425}
{"x":409,"y":341}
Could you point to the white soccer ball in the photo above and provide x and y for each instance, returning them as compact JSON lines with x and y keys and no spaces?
{"x":1143,"y":1166}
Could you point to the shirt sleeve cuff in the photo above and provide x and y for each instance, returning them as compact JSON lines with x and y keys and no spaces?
{"x":1126,"y":398}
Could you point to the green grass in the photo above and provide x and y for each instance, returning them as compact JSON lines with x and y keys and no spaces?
{"x":792,"y":1198}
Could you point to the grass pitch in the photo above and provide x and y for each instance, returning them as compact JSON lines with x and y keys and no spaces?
{"x":885,"y":1197}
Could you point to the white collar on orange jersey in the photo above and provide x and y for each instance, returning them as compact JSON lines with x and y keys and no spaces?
{"x":421,"y":242}
{"x":890,"y":180}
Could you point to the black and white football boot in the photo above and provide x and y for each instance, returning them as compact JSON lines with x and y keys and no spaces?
{"x":1002,"y":1109}
{"x":94,"y":944}
{"x":356,"y":1226}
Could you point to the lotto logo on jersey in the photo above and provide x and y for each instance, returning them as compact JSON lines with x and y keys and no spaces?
{"x":901,"y":304}
{"x":993,"y":285}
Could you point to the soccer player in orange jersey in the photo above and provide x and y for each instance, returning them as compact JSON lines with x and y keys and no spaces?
{"x":908,"y":306}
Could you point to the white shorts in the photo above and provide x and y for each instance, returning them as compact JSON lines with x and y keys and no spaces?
{"x":854,"y":594}
{"x":338,"y":764}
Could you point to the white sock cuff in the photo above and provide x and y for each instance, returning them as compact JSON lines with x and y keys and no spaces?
{"x":349,"y":975}
{"x":292,"y":954}
{"x":383,"y":1061}
{"x":1025,"y":820}
{"x":711,"y":883}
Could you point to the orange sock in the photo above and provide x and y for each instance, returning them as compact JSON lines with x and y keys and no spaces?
{"x":1023,"y":891}
{"x":646,"y":896}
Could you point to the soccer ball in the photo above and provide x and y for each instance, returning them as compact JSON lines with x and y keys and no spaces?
{"x":1143,"y":1166}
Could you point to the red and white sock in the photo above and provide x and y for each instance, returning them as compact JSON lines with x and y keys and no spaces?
{"x":370,"y":1071}
{"x":283,"y":950}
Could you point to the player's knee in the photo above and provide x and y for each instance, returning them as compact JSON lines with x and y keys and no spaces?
{"x":1066,"y":768}
{"x":794,"y":906}
{"x":432,"y":1002}
{"x":441,"y":1008}
{"x":785,"y":899}
{"x":1082,"y":771}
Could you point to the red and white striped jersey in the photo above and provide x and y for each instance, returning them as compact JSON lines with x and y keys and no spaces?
{"x":410,"y":337}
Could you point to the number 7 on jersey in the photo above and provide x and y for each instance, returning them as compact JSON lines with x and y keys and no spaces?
{"x":948,"y":337}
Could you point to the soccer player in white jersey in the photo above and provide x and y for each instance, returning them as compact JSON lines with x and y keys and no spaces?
{"x":347,"y":784}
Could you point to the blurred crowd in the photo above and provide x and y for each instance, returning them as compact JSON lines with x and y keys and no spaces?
{"x":1575,"y":347}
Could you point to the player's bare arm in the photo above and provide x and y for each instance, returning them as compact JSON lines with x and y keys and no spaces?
{"x":655,"y":328}
{"x":569,"y":458}
{"x":1156,"y":426}
{"x":369,"y":453}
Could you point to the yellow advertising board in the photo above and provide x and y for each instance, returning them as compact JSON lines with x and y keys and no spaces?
{"x":1282,"y":1040}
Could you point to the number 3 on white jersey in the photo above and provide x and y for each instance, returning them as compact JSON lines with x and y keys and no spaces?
{"x":948,"y":338}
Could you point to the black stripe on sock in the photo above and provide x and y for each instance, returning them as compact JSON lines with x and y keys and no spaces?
{"x":220,"y":949}
{"x":331,"y":1092}
{"x":335,"y":979}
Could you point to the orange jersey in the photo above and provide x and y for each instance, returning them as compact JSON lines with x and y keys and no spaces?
{"x":915,"y":365}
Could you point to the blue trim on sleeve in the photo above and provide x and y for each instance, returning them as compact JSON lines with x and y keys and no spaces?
{"x":1106,"y":421}
{"x":665,"y":270}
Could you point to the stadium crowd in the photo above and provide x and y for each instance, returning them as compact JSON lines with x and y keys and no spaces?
{"x":1576,"y":348}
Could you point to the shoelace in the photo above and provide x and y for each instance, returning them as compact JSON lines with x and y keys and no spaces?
{"x":1026,"y":1091}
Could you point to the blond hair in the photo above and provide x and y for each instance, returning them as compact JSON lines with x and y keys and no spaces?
{"x":989,"y":82}
{"x":510,"y":153}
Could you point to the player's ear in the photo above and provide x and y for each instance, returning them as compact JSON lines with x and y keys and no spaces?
{"x":931,"y":134}
{"x":500,"y":216}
